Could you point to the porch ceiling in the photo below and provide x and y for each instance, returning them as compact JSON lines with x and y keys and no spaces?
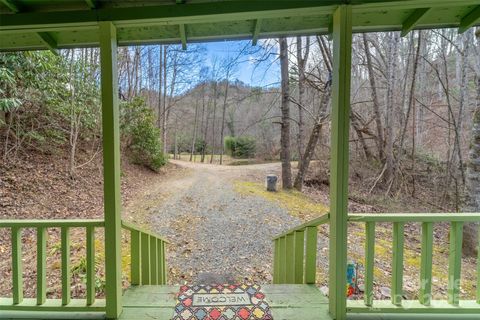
{"x":51,"y":24}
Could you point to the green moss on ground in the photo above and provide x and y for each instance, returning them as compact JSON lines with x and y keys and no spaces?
{"x":297,"y":204}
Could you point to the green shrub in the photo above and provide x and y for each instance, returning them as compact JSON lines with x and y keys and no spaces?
{"x":141,"y":136}
{"x":240,"y":147}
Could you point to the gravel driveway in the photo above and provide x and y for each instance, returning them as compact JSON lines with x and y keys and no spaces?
{"x":214,"y":231}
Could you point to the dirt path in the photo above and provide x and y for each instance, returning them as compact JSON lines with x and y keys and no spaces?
{"x":213,"y":228}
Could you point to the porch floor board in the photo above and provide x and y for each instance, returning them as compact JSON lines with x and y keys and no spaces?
{"x":288,"y":302}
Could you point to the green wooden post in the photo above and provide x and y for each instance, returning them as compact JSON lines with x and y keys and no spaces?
{"x":397,"y":263}
{"x":135,"y":261}
{"x":426,"y":264}
{"x":111,"y":169}
{"x":454,"y":263}
{"x":145,"y":257}
{"x":90,"y":265}
{"x":369,"y":261}
{"x":289,"y":270}
{"x":153,"y":261}
{"x":282,"y":278}
{"x":342,"y":47}
{"x":65,"y":235}
{"x":311,"y":255}
{"x":41,"y":265}
{"x":17,"y":265}
{"x":298,"y":250}
{"x":276,"y":256}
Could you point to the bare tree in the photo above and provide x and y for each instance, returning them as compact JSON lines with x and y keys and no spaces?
{"x":393,"y":40}
{"x":285,"y":124}
{"x":376,"y":105}
{"x":302,"y":59}
{"x":472,"y":183}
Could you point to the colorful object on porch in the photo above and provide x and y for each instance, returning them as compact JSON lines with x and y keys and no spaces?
{"x":221,"y":302}
{"x":351,"y":279}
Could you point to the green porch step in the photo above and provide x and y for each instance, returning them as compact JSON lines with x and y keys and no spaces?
{"x":288,"y":301}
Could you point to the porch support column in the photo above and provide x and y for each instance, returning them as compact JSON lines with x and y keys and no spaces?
{"x":111,"y":169}
{"x":342,"y":46}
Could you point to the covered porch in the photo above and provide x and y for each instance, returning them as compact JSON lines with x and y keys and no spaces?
{"x":51,"y":25}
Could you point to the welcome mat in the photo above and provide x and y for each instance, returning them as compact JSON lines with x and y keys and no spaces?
{"x":221,"y":302}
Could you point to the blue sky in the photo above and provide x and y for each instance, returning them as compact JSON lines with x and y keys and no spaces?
{"x":256,"y":74}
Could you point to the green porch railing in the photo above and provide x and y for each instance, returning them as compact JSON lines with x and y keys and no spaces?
{"x":425,"y":303}
{"x":296,"y":251}
{"x":41,"y":303}
{"x":147,"y":254}
{"x":295,"y":255}
{"x":148,"y":264}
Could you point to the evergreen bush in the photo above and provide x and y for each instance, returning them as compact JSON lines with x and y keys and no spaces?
{"x":240,"y":147}
{"x":141,"y":136}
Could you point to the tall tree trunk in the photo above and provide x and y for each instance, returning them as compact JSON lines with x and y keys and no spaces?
{"x":411,"y":99}
{"x":214,"y":119}
{"x":301,"y":63}
{"x":390,"y":105}
{"x":472,"y":182}
{"x":222,"y":132}
{"x":175,"y":148}
{"x":285,"y":125}
{"x":467,"y":38}
{"x":160,"y":109}
{"x":205,"y":129}
{"x":376,"y":105}
{"x":194,"y":131}
{"x":472,"y":177}
{"x":164,"y":101}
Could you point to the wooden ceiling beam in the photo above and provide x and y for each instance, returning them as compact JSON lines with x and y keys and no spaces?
{"x":183,"y":36}
{"x":412,"y":20}
{"x":49,"y":42}
{"x":11,"y":5}
{"x":256,"y":31}
{"x":92,"y":4}
{"x":469,"y":20}
{"x":204,"y":12}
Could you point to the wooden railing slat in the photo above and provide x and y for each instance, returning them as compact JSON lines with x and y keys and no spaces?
{"x":153,"y":261}
{"x":369,"y":261}
{"x":145,"y":258}
{"x":164,"y":261}
{"x":90,"y":265}
{"x":17,"y":265}
{"x":41,"y":265}
{"x":299,"y":248}
{"x":310,"y":255}
{"x":425,"y":295}
{"x":276,"y":257}
{"x":282,"y":261}
{"x":454,"y":262}
{"x":397,"y":263}
{"x":478,"y":268}
{"x":159,"y":262}
{"x":136,"y":262}
{"x":65,"y":244}
{"x":289,"y":269}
